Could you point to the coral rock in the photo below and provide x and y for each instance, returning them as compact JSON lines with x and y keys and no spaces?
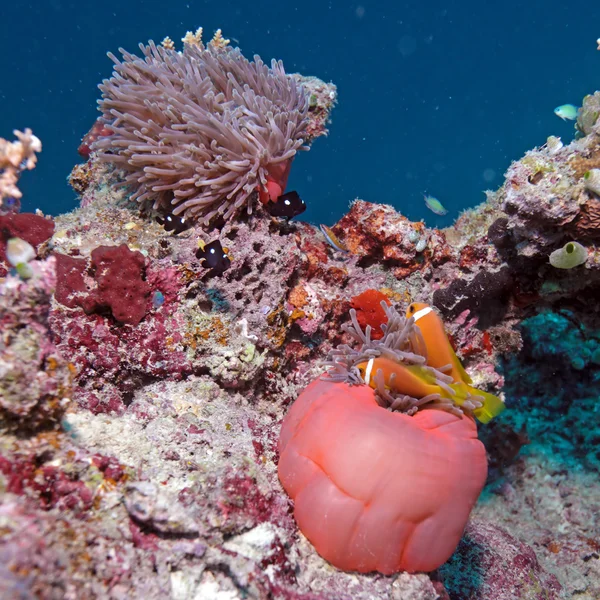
{"x":490,"y":564}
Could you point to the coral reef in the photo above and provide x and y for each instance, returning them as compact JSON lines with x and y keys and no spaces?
{"x":479,"y":568}
{"x":587,"y":115}
{"x":142,"y":394}
{"x":32,"y":228}
{"x":35,"y":380}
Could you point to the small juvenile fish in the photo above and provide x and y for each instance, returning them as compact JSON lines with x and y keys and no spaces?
{"x":288,"y":206}
{"x":173,"y":223}
{"x":567,"y":112}
{"x":333,"y":239}
{"x":214,"y":257}
{"x":434,"y":205}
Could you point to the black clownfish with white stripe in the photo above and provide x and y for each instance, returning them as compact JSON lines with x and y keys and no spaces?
{"x":214,"y":257}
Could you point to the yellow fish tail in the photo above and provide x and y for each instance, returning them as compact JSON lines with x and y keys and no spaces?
{"x":461,"y":392}
{"x":492,"y":406}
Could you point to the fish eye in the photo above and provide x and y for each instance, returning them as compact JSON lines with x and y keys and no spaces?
{"x":411,"y":308}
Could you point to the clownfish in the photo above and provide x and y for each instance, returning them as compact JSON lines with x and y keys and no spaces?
{"x":439,"y":351}
{"x":412,"y":380}
{"x":441,"y":354}
{"x":276,"y":182}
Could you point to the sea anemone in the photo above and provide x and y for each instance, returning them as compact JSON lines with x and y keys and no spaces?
{"x":403,"y":343}
{"x":202,"y":132}
{"x":375,"y":489}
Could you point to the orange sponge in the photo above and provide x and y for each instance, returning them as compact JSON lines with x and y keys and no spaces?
{"x":370,"y":312}
{"x":376,"y":490}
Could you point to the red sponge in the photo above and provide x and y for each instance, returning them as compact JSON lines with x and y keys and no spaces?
{"x":370,"y":312}
{"x":115,"y":280}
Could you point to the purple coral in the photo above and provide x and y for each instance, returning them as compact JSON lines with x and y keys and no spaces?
{"x":202,"y":131}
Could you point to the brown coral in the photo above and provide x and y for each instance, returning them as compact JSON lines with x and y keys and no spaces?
{"x":587,"y":224}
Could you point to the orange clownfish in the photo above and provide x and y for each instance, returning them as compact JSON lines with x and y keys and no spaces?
{"x":440,"y":354}
{"x":439,"y":351}
{"x":411,"y":380}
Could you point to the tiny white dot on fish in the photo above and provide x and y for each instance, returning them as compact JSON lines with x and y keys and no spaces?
{"x":212,"y":250}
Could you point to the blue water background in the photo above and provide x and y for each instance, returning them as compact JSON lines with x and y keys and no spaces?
{"x":433,"y":96}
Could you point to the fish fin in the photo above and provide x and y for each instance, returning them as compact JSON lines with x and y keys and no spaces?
{"x":461,"y":392}
{"x":492,"y":406}
{"x":456,"y":362}
{"x":424,"y":374}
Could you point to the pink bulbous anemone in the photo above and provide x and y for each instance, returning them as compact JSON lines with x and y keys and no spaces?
{"x":375,"y":490}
